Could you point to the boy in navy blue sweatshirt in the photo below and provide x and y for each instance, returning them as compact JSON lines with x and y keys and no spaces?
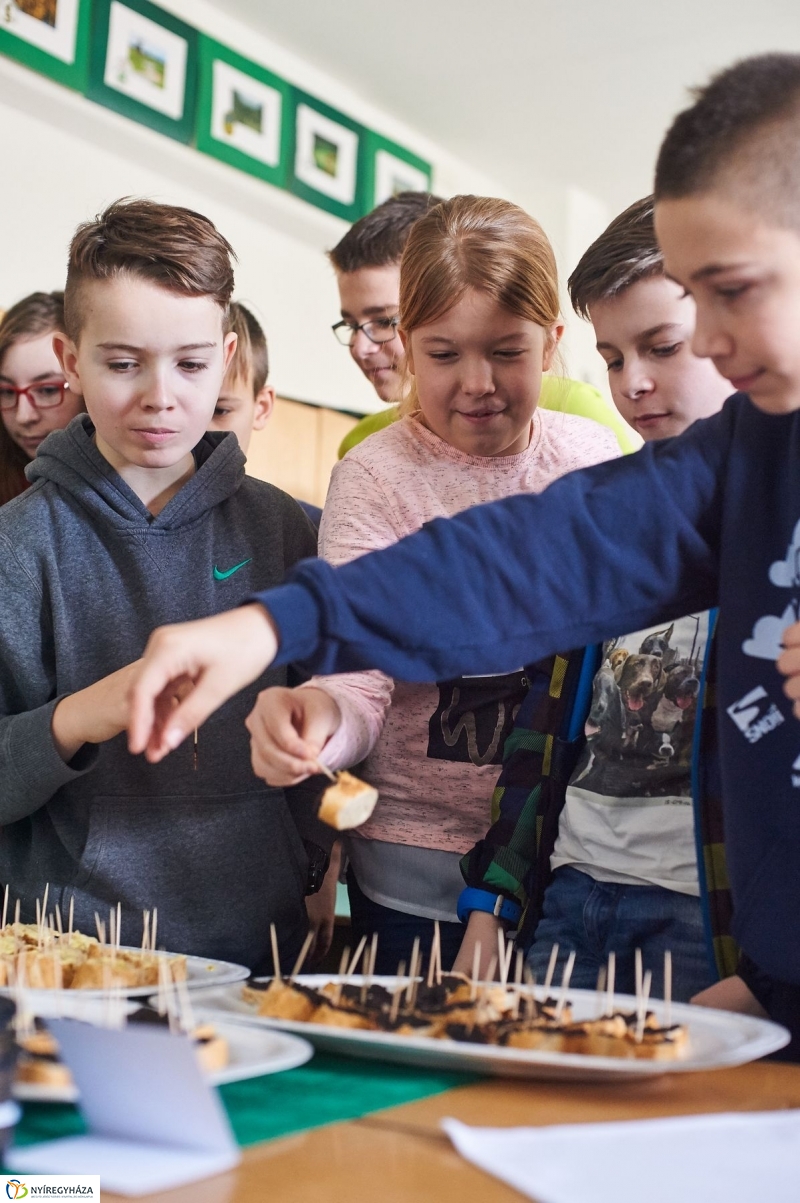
{"x":604,"y":857}
{"x":706,"y":519}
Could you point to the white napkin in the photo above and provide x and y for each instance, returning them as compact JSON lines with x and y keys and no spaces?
{"x":730,"y":1158}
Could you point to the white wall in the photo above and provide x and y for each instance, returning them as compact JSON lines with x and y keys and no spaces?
{"x":64,"y":158}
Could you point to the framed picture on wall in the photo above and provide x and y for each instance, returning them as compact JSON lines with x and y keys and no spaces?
{"x":51,"y":36}
{"x":327,"y":162}
{"x":244,"y":114}
{"x":391,"y":169}
{"x":143,"y":63}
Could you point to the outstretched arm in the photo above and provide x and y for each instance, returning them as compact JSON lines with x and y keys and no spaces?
{"x":619,"y":546}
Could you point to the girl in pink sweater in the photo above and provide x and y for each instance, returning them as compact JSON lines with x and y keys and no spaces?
{"x":480,"y":323}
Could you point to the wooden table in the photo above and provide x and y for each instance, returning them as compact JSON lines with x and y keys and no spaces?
{"x":401,"y":1156}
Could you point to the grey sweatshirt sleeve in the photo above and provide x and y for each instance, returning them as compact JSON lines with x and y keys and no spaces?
{"x":31,"y":769}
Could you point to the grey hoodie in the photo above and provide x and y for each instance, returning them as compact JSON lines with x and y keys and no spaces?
{"x":86,"y":573}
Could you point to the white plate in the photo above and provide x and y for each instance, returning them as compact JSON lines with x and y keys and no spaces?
{"x":716,"y":1039}
{"x":253,"y":1053}
{"x":201,"y":972}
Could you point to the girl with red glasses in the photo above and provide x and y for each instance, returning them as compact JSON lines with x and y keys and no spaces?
{"x":34,"y":398}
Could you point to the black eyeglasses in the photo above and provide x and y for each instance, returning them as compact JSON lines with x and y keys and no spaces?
{"x":379,"y":330}
{"x":45,"y":395}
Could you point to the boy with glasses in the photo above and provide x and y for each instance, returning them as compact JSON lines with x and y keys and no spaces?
{"x":367,"y":266}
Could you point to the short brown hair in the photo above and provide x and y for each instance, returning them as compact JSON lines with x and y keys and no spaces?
{"x":176,"y":248}
{"x":35,"y":315}
{"x":744,"y":124}
{"x":481,"y":243}
{"x":380,"y":236}
{"x":251,"y":358}
{"x":625,"y":252}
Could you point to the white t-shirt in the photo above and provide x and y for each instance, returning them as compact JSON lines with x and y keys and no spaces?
{"x":628,"y":814}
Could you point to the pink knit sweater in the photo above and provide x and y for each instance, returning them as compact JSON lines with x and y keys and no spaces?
{"x":386,"y":488}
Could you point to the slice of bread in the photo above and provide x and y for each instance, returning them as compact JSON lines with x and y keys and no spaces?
{"x":348,"y":803}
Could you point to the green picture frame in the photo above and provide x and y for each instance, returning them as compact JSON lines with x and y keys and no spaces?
{"x":151,"y":57}
{"x":244,"y":113}
{"x":327,"y":157}
{"x":20,"y":39}
{"x":387,"y":164}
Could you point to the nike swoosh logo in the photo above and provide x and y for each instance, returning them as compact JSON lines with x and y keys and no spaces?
{"x":223,"y":576}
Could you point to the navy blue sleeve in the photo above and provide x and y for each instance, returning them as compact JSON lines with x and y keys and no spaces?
{"x":616,"y":547}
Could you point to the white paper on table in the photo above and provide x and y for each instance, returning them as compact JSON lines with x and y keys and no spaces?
{"x":729,"y":1158}
{"x":154,"y":1121}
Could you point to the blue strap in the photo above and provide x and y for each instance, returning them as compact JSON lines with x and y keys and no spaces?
{"x":472,"y":899}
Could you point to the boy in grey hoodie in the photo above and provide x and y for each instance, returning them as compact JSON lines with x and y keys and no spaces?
{"x":136,"y":517}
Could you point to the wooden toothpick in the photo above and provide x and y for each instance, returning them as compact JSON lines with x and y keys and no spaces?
{"x":298,"y":965}
{"x":518,"y":969}
{"x":612,"y":967}
{"x":397,"y":992}
{"x":194,"y":751}
{"x":641,"y":1004}
{"x":276,"y":961}
{"x":637,"y":961}
{"x":476,"y":968}
{"x":505,"y":950}
{"x":369,"y":965}
{"x":435,"y":962}
{"x":412,"y":972}
{"x":326,"y":772}
{"x":562,"y":1000}
{"x":551,"y":968}
{"x":356,"y":957}
{"x":337,"y":997}
{"x":5,"y":907}
{"x":667,"y":989}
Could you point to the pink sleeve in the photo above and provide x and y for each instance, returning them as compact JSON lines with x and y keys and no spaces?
{"x":357,"y":518}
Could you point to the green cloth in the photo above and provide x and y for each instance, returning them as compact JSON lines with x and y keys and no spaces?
{"x":324,"y":1091}
{"x":566,"y":396}
{"x":368,"y":425}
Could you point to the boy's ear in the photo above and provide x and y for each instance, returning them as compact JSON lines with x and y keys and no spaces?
{"x":405,"y":339}
{"x":265,"y":402}
{"x":228,"y":348}
{"x":554,"y":336}
{"x":67,"y":355}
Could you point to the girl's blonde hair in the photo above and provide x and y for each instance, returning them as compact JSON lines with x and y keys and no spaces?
{"x":481,"y":243}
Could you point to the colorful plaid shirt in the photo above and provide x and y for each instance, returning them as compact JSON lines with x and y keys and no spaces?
{"x":539,"y":757}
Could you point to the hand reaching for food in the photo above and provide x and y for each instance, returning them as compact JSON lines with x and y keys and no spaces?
{"x":288,"y":731}
{"x":209,"y":660}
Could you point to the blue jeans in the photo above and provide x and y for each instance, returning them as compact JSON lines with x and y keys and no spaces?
{"x":599,"y":917}
{"x":397,"y":930}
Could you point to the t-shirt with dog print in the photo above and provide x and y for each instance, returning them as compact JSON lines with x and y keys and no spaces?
{"x":628,"y":814}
